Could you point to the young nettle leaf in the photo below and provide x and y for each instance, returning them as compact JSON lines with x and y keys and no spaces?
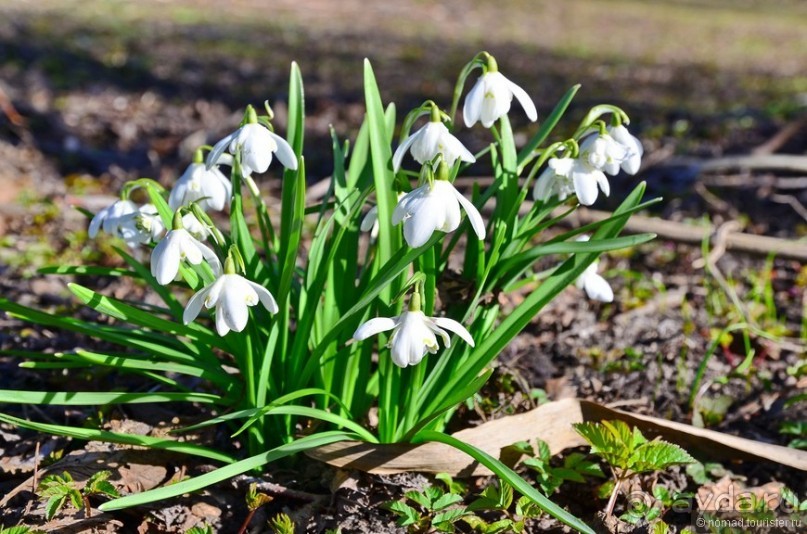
{"x":445,"y":501}
{"x":98,"y":484}
{"x":658,"y":455}
{"x":444,"y":521}
{"x":203,"y":529}
{"x":19,"y":529}
{"x":407,"y":514}
{"x":59,"y":489}
{"x":424,"y":500}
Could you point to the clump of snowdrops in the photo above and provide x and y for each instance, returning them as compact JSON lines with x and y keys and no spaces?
{"x":297,"y":324}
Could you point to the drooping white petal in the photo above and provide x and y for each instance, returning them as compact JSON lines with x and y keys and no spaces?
{"x":373,"y":327}
{"x":605,"y":186}
{"x":477,"y":223}
{"x":257,"y":147}
{"x":369,"y":219}
{"x":472,"y":108}
{"x":233,"y":303}
{"x":525,"y":100}
{"x":400,"y":152}
{"x":585,"y":187}
{"x":428,"y":141}
{"x":97,"y":220}
{"x":454,"y":326}
{"x":221,"y":324}
{"x":597,"y":288}
{"x":214,"y":293}
{"x":284,"y":152}
{"x":165,"y":260}
{"x":194,"y":305}
{"x":266,"y":298}
{"x":455,"y":149}
{"x":424,"y":221}
{"x":189,"y":247}
{"x":218,"y":150}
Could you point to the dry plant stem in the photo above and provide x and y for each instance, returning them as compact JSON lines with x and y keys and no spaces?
{"x":609,"y":509}
{"x":247,"y":521}
{"x":87,"y":507}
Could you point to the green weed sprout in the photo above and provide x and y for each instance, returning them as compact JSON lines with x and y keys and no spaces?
{"x":271,"y":318}
{"x":629,"y":453}
{"x":62,"y":488}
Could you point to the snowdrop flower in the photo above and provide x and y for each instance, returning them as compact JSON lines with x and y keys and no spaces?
{"x":491,"y":96}
{"x":111,"y":218}
{"x":603,"y":152}
{"x":555,"y":180}
{"x":179,"y":245}
{"x":634,"y":150}
{"x":208,"y":187}
{"x":566,"y":175}
{"x":256,"y":144}
{"x":434,"y":206}
{"x":596,"y":287}
{"x":232,"y":295}
{"x":431,"y":140}
{"x":195,"y":227}
{"x":370,"y":221}
{"x":141,"y":227}
{"x":413,"y":334}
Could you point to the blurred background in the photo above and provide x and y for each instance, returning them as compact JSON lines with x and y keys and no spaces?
{"x":96,"y":92}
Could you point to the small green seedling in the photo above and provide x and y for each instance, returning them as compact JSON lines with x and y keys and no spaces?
{"x":575,"y":466}
{"x":500,"y":499}
{"x":436,"y":510}
{"x":281,"y":524}
{"x":650,"y":511}
{"x":629,"y":453}
{"x":254,"y":501}
{"x":200,"y":529}
{"x":60,"y":489}
{"x":19,"y":529}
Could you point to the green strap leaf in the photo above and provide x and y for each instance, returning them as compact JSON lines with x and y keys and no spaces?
{"x":85,"y":398}
{"x":227,"y":472}
{"x":117,"y":437}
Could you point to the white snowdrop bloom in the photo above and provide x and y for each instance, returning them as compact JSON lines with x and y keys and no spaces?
{"x":232,"y":295}
{"x":370,"y":221}
{"x":426,"y":143}
{"x":490,"y":98}
{"x":603,"y":152}
{"x":111,"y":218}
{"x":634,"y":150}
{"x":555,"y":181}
{"x":141,"y":227}
{"x":413,"y":335}
{"x":595,"y":286}
{"x":566,"y":175}
{"x":208,"y":187}
{"x":434,"y":206}
{"x":179,"y":245}
{"x":195,"y":227}
{"x":257,"y":145}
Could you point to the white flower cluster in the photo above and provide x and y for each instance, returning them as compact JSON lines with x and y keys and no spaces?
{"x":205,"y":186}
{"x":435,"y":205}
{"x":600,"y":153}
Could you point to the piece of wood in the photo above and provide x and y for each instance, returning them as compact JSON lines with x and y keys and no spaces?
{"x":551,"y":422}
